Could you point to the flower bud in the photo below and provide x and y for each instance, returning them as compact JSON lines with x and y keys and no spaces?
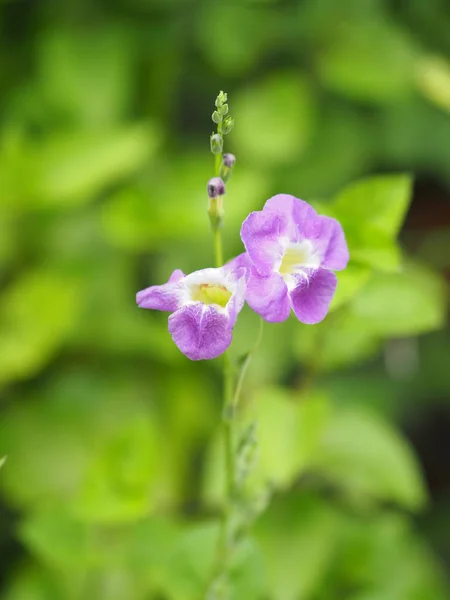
{"x":215,"y":187}
{"x":229,"y":160}
{"x":216,"y":117}
{"x":227,"y":125}
{"x":226,"y":167}
{"x":223,"y":110}
{"x":216,"y":141}
{"x":221,"y":99}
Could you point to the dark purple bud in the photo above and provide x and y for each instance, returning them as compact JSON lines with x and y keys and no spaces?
{"x":215,"y":187}
{"x":229,"y":160}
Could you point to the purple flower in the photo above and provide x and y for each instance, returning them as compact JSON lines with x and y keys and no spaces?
{"x":204,"y":307}
{"x":293,"y":252}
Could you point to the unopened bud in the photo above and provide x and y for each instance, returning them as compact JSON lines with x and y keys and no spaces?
{"x":226,"y":167}
{"x":216,"y":117}
{"x":229,"y":160}
{"x":216,"y":142}
{"x":221,"y":99}
{"x":215,"y":187}
{"x":227,"y":125}
{"x":223,"y":110}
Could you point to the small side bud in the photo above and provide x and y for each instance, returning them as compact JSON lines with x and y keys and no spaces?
{"x":216,"y":142}
{"x":216,"y":117}
{"x":216,"y":190}
{"x":221,"y":99}
{"x":229,"y":160}
{"x":226,"y":167}
{"x":215,"y":187}
{"x":223,"y":109}
{"x":227,"y":125}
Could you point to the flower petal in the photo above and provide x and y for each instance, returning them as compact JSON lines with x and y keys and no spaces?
{"x":200,"y":331}
{"x":307,"y":221}
{"x":176,"y":276}
{"x":239,"y":261}
{"x":311,"y":298}
{"x":262,"y":233}
{"x":268,"y":296}
{"x":237,"y":300}
{"x":326,"y":233}
{"x":336,"y":255}
{"x":162,"y":297}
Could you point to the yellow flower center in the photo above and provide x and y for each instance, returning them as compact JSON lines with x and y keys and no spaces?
{"x":210,"y":293}
{"x":294,"y":257}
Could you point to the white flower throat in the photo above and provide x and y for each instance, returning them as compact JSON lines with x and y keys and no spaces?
{"x":296,"y":259}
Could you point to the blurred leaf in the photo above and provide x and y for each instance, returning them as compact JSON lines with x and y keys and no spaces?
{"x":350,"y":281}
{"x":297,"y":536}
{"x":376,"y":204}
{"x":384,"y":559}
{"x":433,"y":80}
{"x":37,"y":313}
{"x":57,"y":539}
{"x":191,"y":562}
{"x":410,"y":302}
{"x":362,"y":455}
{"x":338,"y":341}
{"x":120,"y":484}
{"x":274,"y":120}
{"x":32,"y":582}
{"x":370,"y":61}
{"x":288,"y":432}
{"x":340,"y":150}
{"x":72,"y":168}
{"x":87,"y":75}
{"x":236,"y":45}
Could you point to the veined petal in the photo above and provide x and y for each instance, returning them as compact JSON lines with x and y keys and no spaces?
{"x":336,"y":255}
{"x":162,"y":297}
{"x":176,"y":276}
{"x":263,"y":233}
{"x":239,"y":261}
{"x":200,"y":331}
{"x":268,"y":296}
{"x":307,"y":221}
{"x":237,"y":300}
{"x":325,"y":233}
{"x":311,"y":298}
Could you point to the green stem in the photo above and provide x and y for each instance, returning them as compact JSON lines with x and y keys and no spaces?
{"x":228,"y":434}
{"x":218,"y":252}
{"x":245,"y":365}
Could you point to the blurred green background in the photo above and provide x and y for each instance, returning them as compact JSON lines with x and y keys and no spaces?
{"x":110,"y":489}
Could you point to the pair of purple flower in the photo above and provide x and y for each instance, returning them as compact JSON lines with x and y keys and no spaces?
{"x":291,"y":253}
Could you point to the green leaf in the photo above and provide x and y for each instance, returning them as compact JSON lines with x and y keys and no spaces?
{"x":86,"y":75}
{"x":57,"y":539}
{"x":376,"y":204}
{"x":383,"y":558}
{"x":71,"y":168}
{"x":32,"y":582}
{"x":412,"y":301}
{"x":274,"y":119}
{"x":120,"y":483}
{"x":433,"y":80}
{"x":297,"y":536}
{"x":339,"y":340}
{"x":365,"y":457}
{"x":350,"y":281}
{"x":368,"y":61}
{"x":288,"y":432}
{"x":37,"y":313}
